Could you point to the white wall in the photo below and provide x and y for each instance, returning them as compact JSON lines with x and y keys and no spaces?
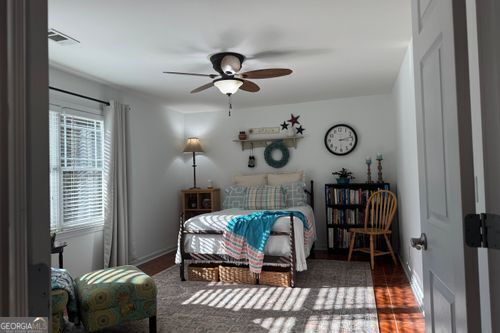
{"x":155,"y":142}
{"x":373,"y":118}
{"x":407,"y":175}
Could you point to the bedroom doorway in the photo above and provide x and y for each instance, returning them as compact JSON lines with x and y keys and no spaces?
{"x":23,"y":275}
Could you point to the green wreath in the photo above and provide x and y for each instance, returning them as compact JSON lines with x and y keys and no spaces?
{"x":285,"y":154}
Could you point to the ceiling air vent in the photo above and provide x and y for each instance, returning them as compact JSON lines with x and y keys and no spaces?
{"x":61,"y":38}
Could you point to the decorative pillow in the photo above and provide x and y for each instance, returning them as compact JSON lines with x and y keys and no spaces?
{"x":250,"y":180}
{"x":235,"y":197}
{"x":265,"y":197}
{"x":285,"y":178}
{"x":295,"y":194}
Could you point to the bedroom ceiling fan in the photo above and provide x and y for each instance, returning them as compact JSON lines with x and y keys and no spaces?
{"x":229,"y":80}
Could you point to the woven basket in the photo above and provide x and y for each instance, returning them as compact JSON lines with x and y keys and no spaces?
{"x":276,"y":277}
{"x":203,"y":272}
{"x":236,"y":274}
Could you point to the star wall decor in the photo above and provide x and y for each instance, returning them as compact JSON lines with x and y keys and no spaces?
{"x":294,"y":120}
{"x":295,"y":128}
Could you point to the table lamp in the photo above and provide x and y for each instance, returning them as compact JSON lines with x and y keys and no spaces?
{"x":193,"y":146}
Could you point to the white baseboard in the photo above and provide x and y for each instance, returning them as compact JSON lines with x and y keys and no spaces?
{"x":151,"y":256}
{"x":415,"y":284}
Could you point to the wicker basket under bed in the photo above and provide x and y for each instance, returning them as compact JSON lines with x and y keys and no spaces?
{"x":203,"y":272}
{"x":236,"y":274}
{"x":276,"y":276}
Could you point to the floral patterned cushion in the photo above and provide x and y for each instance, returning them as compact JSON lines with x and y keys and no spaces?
{"x":115,"y":295}
{"x":59,"y":300}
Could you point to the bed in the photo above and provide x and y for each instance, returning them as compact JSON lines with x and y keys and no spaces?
{"x":288,"y":246}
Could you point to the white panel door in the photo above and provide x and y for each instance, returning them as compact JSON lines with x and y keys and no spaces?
{"x":484,"y":68}
{"x":444,"y":157}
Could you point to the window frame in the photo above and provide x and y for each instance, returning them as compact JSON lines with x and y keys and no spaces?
{"x":88,"y":113}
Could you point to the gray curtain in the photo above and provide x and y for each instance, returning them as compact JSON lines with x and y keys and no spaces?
{"x":116,"y":227}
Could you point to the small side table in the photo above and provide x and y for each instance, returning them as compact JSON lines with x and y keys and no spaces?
{"x":58,"y":247}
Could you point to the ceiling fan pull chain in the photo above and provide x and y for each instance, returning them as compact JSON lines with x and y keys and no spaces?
{"x":230,"y":104}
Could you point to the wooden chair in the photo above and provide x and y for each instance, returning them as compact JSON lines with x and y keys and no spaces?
{"x":379,"y":214}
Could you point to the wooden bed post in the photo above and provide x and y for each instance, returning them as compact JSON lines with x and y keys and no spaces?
{"x":181,"y":246}
{"x":292,"y":252}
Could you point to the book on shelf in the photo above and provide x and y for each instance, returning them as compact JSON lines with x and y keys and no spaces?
{"x":330,"y":238}
{"x":340,"y":238}
{"x":345,"y":217}
{"x":350,"y":196}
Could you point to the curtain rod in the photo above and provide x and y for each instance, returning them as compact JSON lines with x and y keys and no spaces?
{"x":81,"y":96}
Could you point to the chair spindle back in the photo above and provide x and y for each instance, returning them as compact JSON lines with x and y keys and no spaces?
{"x":380,"y":210}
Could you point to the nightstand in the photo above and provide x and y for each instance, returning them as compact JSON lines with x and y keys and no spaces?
{"x":199,"y":201}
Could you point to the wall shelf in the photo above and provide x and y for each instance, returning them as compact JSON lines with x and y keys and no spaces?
{"x":289,"y":141}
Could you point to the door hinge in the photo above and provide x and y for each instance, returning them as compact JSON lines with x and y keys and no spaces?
{"x":482,"y":230}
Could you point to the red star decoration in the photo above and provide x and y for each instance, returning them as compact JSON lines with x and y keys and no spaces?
{"x":294,"y":120}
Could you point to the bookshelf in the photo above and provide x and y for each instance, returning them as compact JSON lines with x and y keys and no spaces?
{"x":345,"y":208}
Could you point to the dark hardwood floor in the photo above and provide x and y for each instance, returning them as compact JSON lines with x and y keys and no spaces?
{"x":397,"y":307}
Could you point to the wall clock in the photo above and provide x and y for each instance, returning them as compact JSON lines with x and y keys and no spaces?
{"x":341,"y":139}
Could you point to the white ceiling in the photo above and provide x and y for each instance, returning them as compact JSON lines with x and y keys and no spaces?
{"x":336,"y":48}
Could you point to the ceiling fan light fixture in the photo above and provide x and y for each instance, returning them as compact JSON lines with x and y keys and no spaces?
{"x":230,"y":64}
{"x":228,"y":86}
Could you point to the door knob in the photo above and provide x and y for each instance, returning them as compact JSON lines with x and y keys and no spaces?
{"x":419,"y":243}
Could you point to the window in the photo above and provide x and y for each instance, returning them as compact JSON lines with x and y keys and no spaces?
{"x":76,"y":170}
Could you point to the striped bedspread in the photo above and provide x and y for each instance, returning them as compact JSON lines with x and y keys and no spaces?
{"x":246,"y":236}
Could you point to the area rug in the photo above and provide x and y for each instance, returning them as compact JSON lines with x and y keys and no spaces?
{"x":331,"y":296}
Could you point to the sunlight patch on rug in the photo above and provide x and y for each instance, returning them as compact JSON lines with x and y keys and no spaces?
{"x":331,"y":296}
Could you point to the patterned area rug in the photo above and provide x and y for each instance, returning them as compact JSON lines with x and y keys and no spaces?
{"x":331,"y":296}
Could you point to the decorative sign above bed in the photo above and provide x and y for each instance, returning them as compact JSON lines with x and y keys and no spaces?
{"x":267,"y":131}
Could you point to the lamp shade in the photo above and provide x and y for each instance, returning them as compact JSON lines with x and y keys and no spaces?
{"x":193,"y":145}
{"x":228,"y":86}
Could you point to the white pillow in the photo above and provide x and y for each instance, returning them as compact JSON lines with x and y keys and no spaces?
{"x":285,"y":178}
{"x":250,"y":180}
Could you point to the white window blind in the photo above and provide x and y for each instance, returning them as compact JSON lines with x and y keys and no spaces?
{"x":76,"y":170}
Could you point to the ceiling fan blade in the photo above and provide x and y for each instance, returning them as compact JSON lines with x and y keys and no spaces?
{"x":249,"y":86}
{"x":203,"y":87}
{"x":212,"y":76}
{"x":266,"y":73}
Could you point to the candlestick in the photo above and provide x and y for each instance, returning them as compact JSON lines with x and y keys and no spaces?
{"x":379,"y":179}
{"x":368,"y":172}
{"x":379,"y":157}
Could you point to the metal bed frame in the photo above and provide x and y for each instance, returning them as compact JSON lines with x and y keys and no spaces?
{"x":268,"y":260}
